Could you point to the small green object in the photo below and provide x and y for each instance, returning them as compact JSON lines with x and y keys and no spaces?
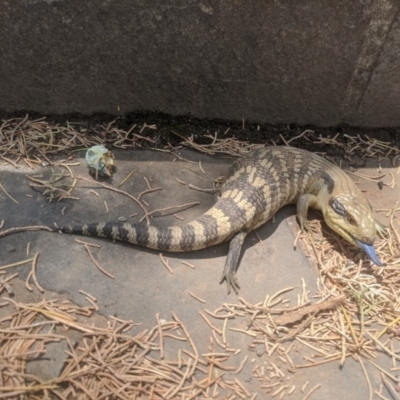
{"x":100,"y":161}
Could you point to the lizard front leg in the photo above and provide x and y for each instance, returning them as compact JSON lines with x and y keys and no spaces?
{"x":303,"y":203}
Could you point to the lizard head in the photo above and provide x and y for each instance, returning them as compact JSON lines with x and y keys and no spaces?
{"x":351,"y":216}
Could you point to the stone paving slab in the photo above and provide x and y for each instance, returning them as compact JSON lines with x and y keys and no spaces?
{"x":142,"y":286}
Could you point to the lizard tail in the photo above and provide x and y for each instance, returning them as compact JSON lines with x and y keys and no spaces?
{"x":215,"y":226}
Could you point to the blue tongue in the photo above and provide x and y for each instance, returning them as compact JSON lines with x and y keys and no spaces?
{"x":370,"y":251}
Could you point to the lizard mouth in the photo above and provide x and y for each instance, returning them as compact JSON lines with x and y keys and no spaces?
{"x":369,"y":249}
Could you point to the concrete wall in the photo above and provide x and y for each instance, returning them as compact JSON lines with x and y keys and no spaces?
{"x":285,"y":61}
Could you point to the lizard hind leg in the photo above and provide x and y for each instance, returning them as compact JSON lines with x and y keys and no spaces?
{"x":232,"y":261}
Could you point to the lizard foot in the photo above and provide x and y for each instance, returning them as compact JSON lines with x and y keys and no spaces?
{"x":308,"y":227}
{"x":231,"y":281}
{"x":382,"y":230}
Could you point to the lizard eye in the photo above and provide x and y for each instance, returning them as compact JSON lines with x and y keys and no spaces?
{"x":338,"y":207}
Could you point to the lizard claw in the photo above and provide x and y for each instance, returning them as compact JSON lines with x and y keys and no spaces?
{"x":231,"y":281}
{"x":382,"y":230}
{"x":308,"y":227}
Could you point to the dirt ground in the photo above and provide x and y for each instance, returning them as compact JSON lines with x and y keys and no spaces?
{"x":138,"y":286}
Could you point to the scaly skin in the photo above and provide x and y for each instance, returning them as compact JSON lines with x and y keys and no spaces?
{"x":256,"y":187}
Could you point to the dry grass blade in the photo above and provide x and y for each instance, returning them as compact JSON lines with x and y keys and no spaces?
{"x":7,"y":194}
{"x":12,"y":231}
{"x":32,"y":275}
{"x":87,"y":248}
